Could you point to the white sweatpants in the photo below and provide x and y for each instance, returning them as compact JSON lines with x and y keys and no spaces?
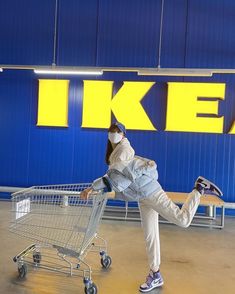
{"x":161,"y":204}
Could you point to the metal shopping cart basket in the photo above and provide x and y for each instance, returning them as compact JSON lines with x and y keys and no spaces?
{"x":61,"y":224}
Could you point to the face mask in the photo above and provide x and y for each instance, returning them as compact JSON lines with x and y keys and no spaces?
{"x":114,"y":137}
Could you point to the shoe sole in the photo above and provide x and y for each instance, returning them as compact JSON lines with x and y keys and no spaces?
{"x":148,"y":290}
{"x":216,"y":188}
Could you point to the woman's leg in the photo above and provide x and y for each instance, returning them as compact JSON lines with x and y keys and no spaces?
{"x":150,"y":226}
{"x":162,"y":204}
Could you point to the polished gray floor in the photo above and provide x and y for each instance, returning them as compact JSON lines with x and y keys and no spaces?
{"x":194,"y":261}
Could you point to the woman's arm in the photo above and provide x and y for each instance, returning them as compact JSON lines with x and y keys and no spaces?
{"x":99,"y":184}
{"x":86,"y":193}
{"x":113,"y":180}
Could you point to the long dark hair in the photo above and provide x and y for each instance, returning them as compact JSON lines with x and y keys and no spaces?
{"x":109,"y":149}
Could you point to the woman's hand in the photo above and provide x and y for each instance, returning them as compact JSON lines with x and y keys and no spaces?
{"x":86,"y":193}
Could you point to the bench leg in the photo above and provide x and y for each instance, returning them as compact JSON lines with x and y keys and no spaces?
{"x":210,"y":211}
{"x":222,"y":216}
{"x":214,"y":207}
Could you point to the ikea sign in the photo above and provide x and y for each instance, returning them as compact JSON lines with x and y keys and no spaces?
{"x":183,"y":105}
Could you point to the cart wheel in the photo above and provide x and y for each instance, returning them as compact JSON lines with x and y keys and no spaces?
{"x":37,"y":257}
{"x":92,"y":289}
{"x":106,"y":262}
{"x":22,"y":270}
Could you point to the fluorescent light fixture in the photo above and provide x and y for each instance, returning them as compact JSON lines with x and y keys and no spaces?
{"x":192,"y":72}
{"x":67,"y":72}
{"x":141,"y":71}
{"x":224,"y":71}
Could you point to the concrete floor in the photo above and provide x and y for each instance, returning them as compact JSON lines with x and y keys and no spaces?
{"x":194,"y":261}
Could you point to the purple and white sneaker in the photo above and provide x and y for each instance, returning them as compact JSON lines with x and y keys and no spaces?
{"x":206,"y":187}
{"x":153,"y":281}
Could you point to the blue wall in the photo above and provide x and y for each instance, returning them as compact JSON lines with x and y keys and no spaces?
{"x":113,"y":33}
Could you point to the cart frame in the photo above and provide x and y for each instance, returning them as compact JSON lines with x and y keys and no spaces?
{"x":63,"y":227}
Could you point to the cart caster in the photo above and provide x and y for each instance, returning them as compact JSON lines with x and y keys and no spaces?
{"x":106,"y":260}
{"x":91,"y":290}
{"x":22,"y":270}
{"x":37,"y":257}
{"x":90,"y":287}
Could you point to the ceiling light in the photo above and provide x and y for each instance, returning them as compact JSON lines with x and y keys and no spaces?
{"x":61,"y":70}
{"x":67,"y":72}
{"x":193,"y":72}
{"x":141,"y":71}
{"x":223,"y":71}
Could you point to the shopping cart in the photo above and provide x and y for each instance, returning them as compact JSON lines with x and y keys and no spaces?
{"x":63,"y":227}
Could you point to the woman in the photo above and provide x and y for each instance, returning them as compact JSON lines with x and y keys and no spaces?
{"x":135,"y":178}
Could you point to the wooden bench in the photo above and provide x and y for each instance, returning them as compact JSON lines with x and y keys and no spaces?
{"x":208,"y":218}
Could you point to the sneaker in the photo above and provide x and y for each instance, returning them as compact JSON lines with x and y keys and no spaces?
{"x":153,"y":281}
{"x":207,"y":187}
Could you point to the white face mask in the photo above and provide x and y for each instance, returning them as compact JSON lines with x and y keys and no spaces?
{"x":115,"y":137}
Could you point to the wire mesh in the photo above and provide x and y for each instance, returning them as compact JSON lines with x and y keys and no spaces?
{"x":56,"y":215}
